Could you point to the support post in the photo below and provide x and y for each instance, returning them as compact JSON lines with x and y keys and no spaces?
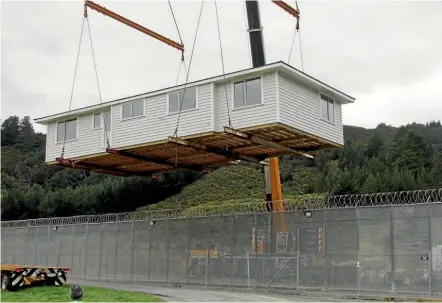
{"x":430,"y":255}
{"x":297,"y":270}
{"x":393,"y":265}
{"x":99,"y":250}
{"x":116,"y":250}
{"x":85,"y":251}
{"x":255,"y":272}
{"x":188,"y":240}
{"x":59,"y":235}
{"x":232,"y":251}
{"x":358,"y":268}
{"x":325,"y":250}
{"x":72,"y":248}
{"x":248,"y":269}
{"x":298,"y":255}
{"x":132,"y":263}
{"x":48,"y":246}
{"x":168,"y":251}
{"x":208,"y":259}
{"x":149,"y":257}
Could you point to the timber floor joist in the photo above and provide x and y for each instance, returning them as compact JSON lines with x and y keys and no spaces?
{"x":199,"y":152}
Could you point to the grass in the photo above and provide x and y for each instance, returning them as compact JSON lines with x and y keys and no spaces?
{"x":61,"y":294}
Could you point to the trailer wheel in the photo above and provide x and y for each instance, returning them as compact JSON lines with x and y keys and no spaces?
{"x":7,"y":283}
{"x":50,"y":281}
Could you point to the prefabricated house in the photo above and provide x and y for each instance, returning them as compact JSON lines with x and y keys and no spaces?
{"x":273,"y":110}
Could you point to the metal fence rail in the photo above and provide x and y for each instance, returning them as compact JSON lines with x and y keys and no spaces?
{"x":388,"y":242}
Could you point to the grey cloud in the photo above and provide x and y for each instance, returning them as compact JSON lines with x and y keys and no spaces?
{"x":355,"y":46}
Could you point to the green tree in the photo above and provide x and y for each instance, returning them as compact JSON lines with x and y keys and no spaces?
{"x":10,"y":131}
{"x":26,"y":140}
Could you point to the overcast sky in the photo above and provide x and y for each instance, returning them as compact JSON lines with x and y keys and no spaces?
{"x":388,"y":55}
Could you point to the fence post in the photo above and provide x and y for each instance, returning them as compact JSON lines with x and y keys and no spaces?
{"x":430,"y":255}
{"x":48,"y":245}
{"x":25,"y":258}
{"x":358,"y":281}
{"x":232,"y":245}
{"x":168,"y":250}
{"x":298,"y":255}
{"x":132,"y":263}
{"x":255,"y":271}
{"x":297,"y":270}
{"x":85,"y":250}
{"x":149,"y":256}
{"x":208,"y":259}
{"x":325,"y":250}
{"x":393,"y":263}
{"x":116,"y":249}
{"x":72,"y":248}
{"x":59,"y":235}
{"x":100,"y":245}
{"x":187,"y":255}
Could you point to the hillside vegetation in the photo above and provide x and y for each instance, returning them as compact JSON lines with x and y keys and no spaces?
{"x":373,"y":160}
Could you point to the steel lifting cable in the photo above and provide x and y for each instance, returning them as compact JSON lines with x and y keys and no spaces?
{"x":73,"y":85}
{"x":222,"y":63}
{"x":98,"y":85}
{"x":188,"y":70}
{"x":293,"y":40}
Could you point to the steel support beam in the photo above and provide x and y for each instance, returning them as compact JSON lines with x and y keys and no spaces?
{"x":225,"y":153}
{"x":265,"y":142}
{"x":71,"y":164}
{"x":155,"y":160}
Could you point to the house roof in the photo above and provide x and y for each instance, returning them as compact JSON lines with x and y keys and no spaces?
{"x":280,"y":66}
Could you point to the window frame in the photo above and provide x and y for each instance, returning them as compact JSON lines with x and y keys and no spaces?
{"x":93,"y":121}
{"x":65,"y":121}
{"x":329,"y":98}
{"x":179,"y":91}
{"x":131,"y":103}
{"x":245,"y":101}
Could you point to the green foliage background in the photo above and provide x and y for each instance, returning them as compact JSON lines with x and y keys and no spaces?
{"x":372,"y":160}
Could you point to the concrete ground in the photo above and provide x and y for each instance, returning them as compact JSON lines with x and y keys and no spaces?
{"x":188,"y":294}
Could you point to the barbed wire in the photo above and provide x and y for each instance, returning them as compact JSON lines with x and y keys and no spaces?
{"x":308,"y":202}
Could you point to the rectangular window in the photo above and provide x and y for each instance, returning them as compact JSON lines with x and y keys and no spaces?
{"x":327,"y":109}
{"x":247,"y":93}
{"x":97,"y":121}
{"x":187,"y":97}
{"x":67,"y":130}
{"x":133,"y":109}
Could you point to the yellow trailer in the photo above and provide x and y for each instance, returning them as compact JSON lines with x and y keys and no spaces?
{"x":15,"y":276}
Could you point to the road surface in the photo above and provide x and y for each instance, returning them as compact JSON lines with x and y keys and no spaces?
{"x":186,"y":294}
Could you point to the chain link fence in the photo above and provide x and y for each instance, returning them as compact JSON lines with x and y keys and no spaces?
{"x":387,"y":242}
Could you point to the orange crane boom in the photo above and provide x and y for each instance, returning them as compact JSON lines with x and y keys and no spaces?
{"x":132,"y":24}
{"x":287,"y":8}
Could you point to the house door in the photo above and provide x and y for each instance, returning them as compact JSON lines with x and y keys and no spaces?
{"x":107,"y":129}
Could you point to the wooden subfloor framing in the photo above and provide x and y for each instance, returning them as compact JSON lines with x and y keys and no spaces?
{"x":200,"y":152}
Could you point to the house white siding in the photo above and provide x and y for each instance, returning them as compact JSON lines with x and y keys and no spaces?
{"x":89,"y":141}
{"x":264,"y":113}
{"x":157,"y":124}
{"x":299,"y":107}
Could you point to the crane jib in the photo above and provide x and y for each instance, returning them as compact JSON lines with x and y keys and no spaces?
{"x":132,"y":24}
